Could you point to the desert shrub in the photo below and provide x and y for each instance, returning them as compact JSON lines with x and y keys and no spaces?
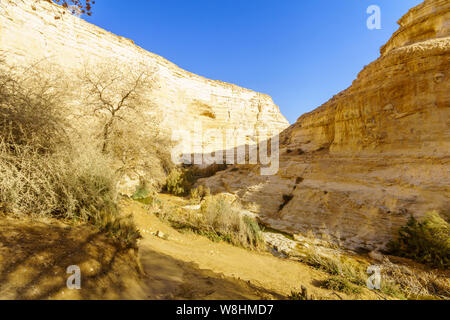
{"x":42,"y":171}
{"x":402,"y":280}
{"x":224,"y":219}
{"x":121,"y":229}
{"x":337,"y":265}
{"x":200,"y":193}
{"x":426,"y":241}
{"x":340,"y":284}
{"x":143,"y":191}
{"x":297,"y":296}
{"x":32,"y":106}
{"x":219,"y":220}
{"x":398,"y":281}
{"x":349,"y":275}
{"x":76,"y":187}
{"x":179,"y":181}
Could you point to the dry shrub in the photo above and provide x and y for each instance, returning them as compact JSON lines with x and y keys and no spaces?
{"x":42,"y":172}
{"x":416,"y":283}
{"x":337,"y":265}
{"x":138,"y":147}
{"x":399,"y":281}
{"x":220,"y":220}
{"x":77,"y":186}
{"x":180,"y":181}
{"x":223,"y":218}
{"x":341,"y":284}
{"x":32,"y":106}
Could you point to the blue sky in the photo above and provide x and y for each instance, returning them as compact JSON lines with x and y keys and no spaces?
{"x":301,"y":52}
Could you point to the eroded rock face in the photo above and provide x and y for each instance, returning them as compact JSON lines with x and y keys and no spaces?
{"x":34,"y":30}
{"x":357,"y":167}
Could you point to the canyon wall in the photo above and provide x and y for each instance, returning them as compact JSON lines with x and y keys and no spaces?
{"x":356,"y":168}
{"x":31,"y":31}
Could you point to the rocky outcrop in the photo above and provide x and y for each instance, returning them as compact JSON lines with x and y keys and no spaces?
{"x":356,"y":168}
{"x":34,"y":30}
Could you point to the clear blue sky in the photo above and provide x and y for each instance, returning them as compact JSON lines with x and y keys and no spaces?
{"x":301,"y":52}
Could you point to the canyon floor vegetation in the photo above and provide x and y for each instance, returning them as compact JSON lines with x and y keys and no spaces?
{"x":49,"y":167}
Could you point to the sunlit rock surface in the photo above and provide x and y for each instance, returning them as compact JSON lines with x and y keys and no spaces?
{"x":32,"y":31}
{"x":359,"y":166}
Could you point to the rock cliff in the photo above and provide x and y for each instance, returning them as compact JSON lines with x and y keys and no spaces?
{"x":34,"y":30}
{"x":356,"y":168}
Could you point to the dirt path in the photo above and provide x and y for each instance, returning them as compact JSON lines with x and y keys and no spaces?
{"x":34,"y":257}
{"x":214,"y":261}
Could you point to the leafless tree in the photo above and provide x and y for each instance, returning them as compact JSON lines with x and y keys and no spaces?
{"x":115,"y":92}
{"x":119,"y":95}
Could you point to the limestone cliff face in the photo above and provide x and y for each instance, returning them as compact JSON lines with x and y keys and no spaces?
{"x":358,"y":166}
{"x":29,"y":32}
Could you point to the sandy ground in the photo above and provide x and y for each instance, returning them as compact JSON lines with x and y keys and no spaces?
{"x":270,"y":277}
{"x":34,"y":256}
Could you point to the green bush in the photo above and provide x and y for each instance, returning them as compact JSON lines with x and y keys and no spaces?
{"x":179,"y":182}
{"x":426,"y":241}
{"x":200,"y":193}
{"x":142,"y":192}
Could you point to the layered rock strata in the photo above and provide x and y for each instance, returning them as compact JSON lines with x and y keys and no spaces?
{"x":355,"y":169}
{"x":32,"y":31}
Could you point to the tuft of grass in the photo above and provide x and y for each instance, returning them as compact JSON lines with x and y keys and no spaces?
{"x":297,"y":296}
{"x":337,"y":265}
{"x":398,"y":281}
{"x":219,"y":220}
{"x":338,"y":283}
{"x":426,"y":241}
{"x":224,"y":219}
{"x":122,"y":229}
{"x":391,"y":288}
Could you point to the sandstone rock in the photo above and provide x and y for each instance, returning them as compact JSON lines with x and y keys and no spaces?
{"x":374,"y":154}
{"x":188,"y":101}
{"x":280,"y":243}
{"x":162,"y":235}
{"x":193,"y":207}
